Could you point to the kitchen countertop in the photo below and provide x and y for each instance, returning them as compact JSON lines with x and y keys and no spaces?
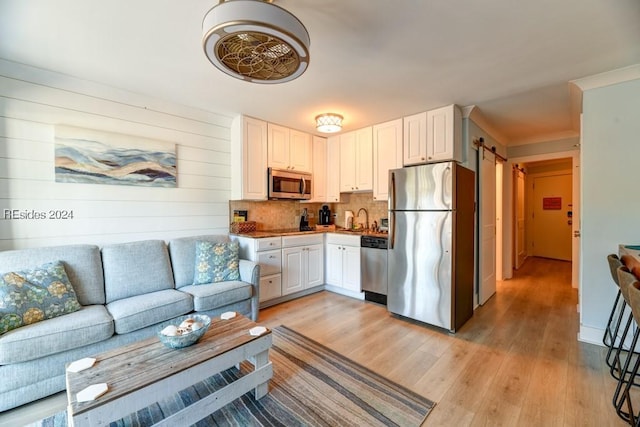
{"x":294,"y":231}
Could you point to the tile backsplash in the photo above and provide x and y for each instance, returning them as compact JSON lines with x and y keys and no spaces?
{"x":283,"y":214}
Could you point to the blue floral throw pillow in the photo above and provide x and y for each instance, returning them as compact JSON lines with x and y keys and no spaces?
{"x":30,"y":296}
{"x":216,"y":262}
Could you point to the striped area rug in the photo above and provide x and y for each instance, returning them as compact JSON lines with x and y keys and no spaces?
{"x":311,"y":386}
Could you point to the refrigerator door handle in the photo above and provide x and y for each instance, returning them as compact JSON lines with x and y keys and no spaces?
{"x":392,"y":229}
{"x":392,"y":191}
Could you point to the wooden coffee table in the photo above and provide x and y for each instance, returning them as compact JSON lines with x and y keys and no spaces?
{"x":146,"y":372}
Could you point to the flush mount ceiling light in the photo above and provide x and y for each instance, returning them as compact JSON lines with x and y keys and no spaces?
{"x":256,"y":41}
{"x":329,"y":122}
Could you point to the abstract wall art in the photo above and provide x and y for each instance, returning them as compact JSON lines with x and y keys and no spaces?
{"x":91,"y":156}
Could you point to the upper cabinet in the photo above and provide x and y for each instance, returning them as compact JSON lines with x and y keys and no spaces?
{"x":356,"y":160}
{"x":319,"y":192}
{"x":333,"y":176}
{"x":387,"y":155}
{"x":433,"y":136}
{"x":289,"y":149}
{"x":248,"y":159}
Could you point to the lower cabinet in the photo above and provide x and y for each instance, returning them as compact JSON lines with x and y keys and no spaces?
{"x":302,"y":268}
{"x":267,"y":253}
{"x":343,"y":262}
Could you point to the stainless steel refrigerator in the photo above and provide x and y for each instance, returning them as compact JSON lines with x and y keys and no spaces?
{"x":431,"y":241}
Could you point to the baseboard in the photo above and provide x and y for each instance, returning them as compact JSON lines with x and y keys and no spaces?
{"x":289,"y":297}
{"x":345,"y":292}
{"x":591,"y":335}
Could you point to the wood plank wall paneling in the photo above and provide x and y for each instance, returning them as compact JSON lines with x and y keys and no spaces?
{"x":33,"y":101}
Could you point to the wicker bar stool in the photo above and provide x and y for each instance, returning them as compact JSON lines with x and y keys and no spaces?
{"x":625,"y":368}
{"x":610,"y":338}
{"x":632,"y":364}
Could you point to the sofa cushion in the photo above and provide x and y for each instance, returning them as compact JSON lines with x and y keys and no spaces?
{"x":214,"y":295}
{"x":136,"y":268}
{"x":216,"y":262}
{"x":81,"y":262}
{"x":86,"y":326}
{"x":183,"y":256}
{"x":137,"y":312}
{"x":32,"y":295}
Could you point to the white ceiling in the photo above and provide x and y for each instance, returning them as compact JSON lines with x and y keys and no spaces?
{"x":371,"y":60}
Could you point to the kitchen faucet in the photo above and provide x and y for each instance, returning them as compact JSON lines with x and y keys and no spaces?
{"x":366,"y":217}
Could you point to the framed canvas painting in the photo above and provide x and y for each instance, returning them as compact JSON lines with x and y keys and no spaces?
{"x":96,"y":157}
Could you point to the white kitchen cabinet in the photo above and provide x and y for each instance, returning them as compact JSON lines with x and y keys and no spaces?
{"x":387,"y":155}
{"x":302,"y":262}
{"x":333,"y":172}
{"x":320,"y":178}
{"x":343,"y":262}
{"x":444,"y":134}
{"x":248,"y":159}
{"x":289,"y":149}
{"x":356,"y":160}
{"x":414,"y":139}
{"x":433,"y":136}
{"x":267,"y":253}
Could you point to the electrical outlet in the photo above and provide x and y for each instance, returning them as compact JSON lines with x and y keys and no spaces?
{"x":296,"y":219}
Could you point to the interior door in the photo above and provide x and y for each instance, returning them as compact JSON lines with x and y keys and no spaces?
{"x":487,"y":229}
{"x":575,"y":224}
{"x":552,"y":228}
{"x":521,"y":214}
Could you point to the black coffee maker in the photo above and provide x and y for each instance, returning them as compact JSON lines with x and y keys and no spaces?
{"x":324,"y":216}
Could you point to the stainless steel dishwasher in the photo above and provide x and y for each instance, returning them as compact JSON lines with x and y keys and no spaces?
{"x":373,"y":268}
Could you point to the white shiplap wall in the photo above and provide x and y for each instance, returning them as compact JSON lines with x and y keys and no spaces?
{"x":34,"y":101}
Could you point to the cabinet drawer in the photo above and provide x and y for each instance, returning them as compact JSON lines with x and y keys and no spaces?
{"x":268,"y":243}
{"x":343,"y":239}
{"x":270,"y":287}
{"x":270,"y":262}
{"x":302,"y":240}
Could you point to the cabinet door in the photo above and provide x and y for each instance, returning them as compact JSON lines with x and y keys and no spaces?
{"x":364,"y":159}
{"x":248,"y":159}
{"x":348,"y":162}
{"x":333,"y":171}
{"x":351,"y":268}
{"x":300,"y":151}
{"x":414,"y":139}
{"x":334,"y":264}
{"x":292,"y":269}
{"x":387,"y":155}
{"x":315,"y":266}
{"x":319,"y":192}
{"x":444,"y":134}
{"x":278,"y":146}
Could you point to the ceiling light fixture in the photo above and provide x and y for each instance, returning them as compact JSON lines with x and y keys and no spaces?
{"x":256,"y":41}
{"x":329,"y":122}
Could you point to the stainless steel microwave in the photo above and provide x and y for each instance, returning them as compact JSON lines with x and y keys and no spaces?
{"x":284,"y":184}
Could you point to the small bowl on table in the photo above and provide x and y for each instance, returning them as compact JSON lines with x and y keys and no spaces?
{"x":185,"y":338}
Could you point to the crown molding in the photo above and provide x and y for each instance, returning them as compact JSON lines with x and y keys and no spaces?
{"x":608,"y":78}
{"x":473,"y":112}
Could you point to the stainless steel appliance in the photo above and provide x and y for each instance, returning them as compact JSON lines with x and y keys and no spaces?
{"x":431,"y":235}
{"x":289,"y":185}
{"x":373,"y":268}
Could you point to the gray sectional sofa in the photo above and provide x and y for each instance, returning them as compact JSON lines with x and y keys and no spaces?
{"x":127,"y":291}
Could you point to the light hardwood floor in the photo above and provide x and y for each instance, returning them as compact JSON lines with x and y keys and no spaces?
{"x":516,"y":362}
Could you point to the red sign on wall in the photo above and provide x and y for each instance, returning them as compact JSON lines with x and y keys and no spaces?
{"x":552,"y":203}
